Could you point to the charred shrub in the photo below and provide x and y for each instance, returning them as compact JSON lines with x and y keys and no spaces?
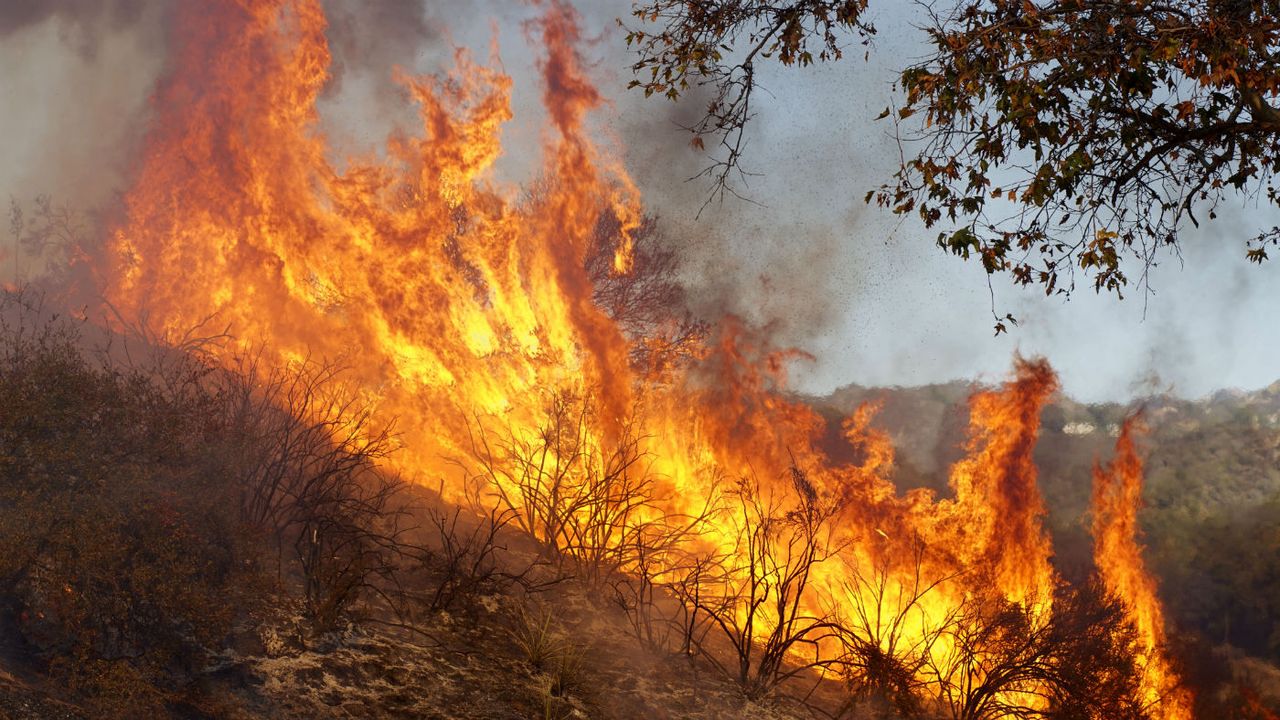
{"x":154,"y":503}
{"x":463,"y":558}
{"x":1076,"y":662}
{"x":302,"y":455}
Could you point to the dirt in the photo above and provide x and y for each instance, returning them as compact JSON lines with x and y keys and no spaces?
{"x":471,"y":668}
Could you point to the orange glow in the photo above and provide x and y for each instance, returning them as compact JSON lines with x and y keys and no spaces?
{"x":460,"y":306}
{"x":1117,"y":496}
{"x":996,"y":516}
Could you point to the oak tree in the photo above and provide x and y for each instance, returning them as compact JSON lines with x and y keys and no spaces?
{"x":1051,"y":137}
{"x":715,"y":45}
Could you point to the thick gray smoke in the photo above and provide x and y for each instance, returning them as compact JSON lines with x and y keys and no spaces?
{"x":76,"y":74}
{"x":84,"y":21}
{"x":18,"y":14}
{"x":380,"y":32}
{"x":371,"y":38}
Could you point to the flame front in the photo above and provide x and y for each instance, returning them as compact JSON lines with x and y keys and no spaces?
{"x":458,"y":304}
{"x":1117,"y":496}
{"x":996,"y":515}
{"x":443,"y":295}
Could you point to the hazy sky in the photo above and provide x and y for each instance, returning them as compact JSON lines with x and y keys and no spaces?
{"x":869,"y":296}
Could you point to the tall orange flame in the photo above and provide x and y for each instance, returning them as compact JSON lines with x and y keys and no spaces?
{"x":998,"y":510}
{"x":458,"y":303}
{"x":444,"y":296}
{"x":1117,"y":496}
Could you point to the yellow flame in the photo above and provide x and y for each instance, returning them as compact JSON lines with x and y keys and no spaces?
{"x":455,"y":308}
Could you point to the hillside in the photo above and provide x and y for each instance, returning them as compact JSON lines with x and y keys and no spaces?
{"x":189,"y":540}
{"x":1212,"y":492}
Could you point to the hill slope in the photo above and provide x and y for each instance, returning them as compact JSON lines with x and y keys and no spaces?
{"x":1212,"y":515}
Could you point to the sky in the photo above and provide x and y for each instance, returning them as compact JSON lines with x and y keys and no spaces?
{"x":867,"y":294}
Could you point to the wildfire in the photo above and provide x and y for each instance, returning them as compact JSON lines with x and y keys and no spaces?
{"x":997,"y":510}
{"x":1117,"y":496}
{"x":463,"y":308}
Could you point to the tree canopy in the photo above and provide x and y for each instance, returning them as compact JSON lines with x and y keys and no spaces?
{"x":716,"y":45}
{"x":1049,"y":138}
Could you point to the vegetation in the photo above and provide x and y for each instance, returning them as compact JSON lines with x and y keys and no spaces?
{"x":1098,"y":128}
{"x":169,"y":510}
{"x":883,"y":661}
{"x":717,"y":44}
{"x":753,"y":597}
{"x":1006,"y":661}
{"x":1056,"y":137}
{"x":125,"y":563}
{"x":1209,"y":523}
{"x":159,"y":508}
{"x":154,"y":508}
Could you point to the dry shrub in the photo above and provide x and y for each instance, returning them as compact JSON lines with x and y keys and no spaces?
{"x":123,"y":564}
{"x":648,"y":303}
{"x":1007,"y":661}
{"x":536,"y":637}
{"x":464,"y":559}
{"x":147,"y":495}
{"x":885,"y":633}
{"x":552,"y":651}
{"x":303,"y":452}
{"x":585,"y":501}
{"x":752,"y":597}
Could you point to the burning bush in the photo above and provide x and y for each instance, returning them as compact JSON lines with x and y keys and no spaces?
{"x":755,"y":596}
{"x":1007,"y":660}
{"x":545,"y":338}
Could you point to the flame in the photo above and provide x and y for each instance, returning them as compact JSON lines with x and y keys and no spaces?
{"x":458,"y":304}
{"x":1117,"y":496}
{"x":443,"y":295}
{"x":996,"y":517}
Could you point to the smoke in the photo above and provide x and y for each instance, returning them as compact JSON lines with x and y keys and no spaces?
{"x":373,"y":37}
{"x":366,"y":34}
{"x":18,"y":14}
{"x":368,"y":40}
{"x":778,"y":257}
{"x":76,"y":82}
{"x":79,"y":72}
{"x":362,"y":102}
{"x":83,"y":24}
{"x":78,"y":75}
{"x":803,"y":258}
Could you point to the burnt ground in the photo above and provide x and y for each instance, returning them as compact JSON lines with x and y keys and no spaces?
{"x":470,"y":668}
{"x":20,"y":700}
{"x":475,"y":669}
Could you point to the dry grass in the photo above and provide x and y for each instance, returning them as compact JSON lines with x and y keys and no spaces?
{"x":536,"y":637}
{"x":556,"y":655}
